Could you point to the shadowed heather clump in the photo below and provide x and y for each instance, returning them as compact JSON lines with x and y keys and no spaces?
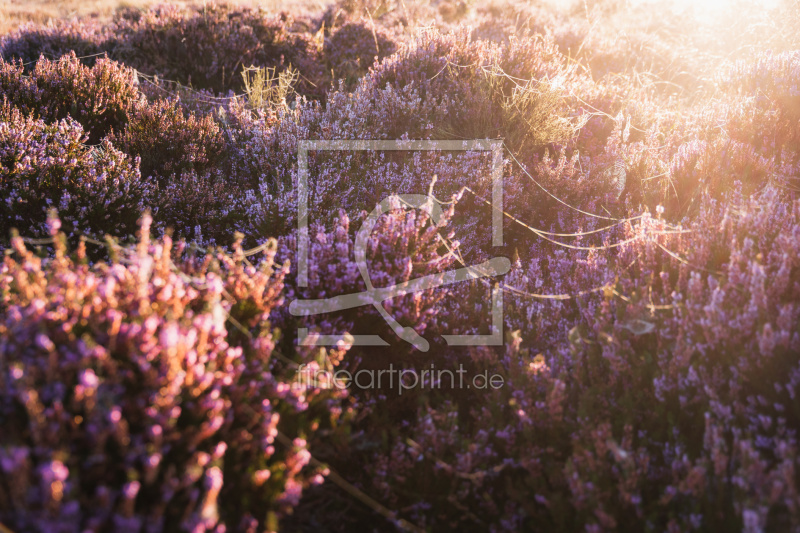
{"x":204,"y":47}
{"x":353,"y":47}
{"x":30,"y":42}
{"x":168,"y":142}
{"x":207,"y":48}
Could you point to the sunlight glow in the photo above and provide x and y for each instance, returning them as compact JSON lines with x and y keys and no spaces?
{"x":707,"y":10}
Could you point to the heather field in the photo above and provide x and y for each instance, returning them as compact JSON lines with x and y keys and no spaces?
{"x":400,"y":265}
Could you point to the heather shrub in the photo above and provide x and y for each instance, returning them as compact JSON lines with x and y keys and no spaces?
{"x":437,"y":87}
{"x":404,"y":245}
{"x":204,"y":47}
{"x":479,"y":90}
{"x":204,"y":208}
{"x":700,"y":169}
{"x":676,"y":158}
{"x":98,"y":189}
{"x":768,"y":110}
{"x":130,"y":401}
{"x":384,"y":11}
{"x":30,"y":42}
{"x":100,"y":98}
{"x":661,"y":406}
{"x":353,"y":47}
{"x":643,"y":42}
{"x":168,"y":142}
{"x":246,"y":128}
{"x":207,"y":48}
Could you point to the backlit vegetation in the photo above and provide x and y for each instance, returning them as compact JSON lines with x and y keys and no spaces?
{"x":148,"y":215}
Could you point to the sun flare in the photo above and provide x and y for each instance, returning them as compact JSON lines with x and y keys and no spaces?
{"x":708,"y":10}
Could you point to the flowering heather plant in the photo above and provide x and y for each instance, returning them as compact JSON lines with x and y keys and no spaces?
{"x":203,"y":208}
{"x":568,"y":444}
{"x":100,"y":98}
{"x":704,"y":168}
{"x":205,"y":47}
{"x":404,"y":245}
{"x":129,"y":400}
{"x":439,"y":86}
{"x":471,"y":89}
{"x":98,"y":189}
{"x":168,"y":142}
{"x":769,"y":91}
